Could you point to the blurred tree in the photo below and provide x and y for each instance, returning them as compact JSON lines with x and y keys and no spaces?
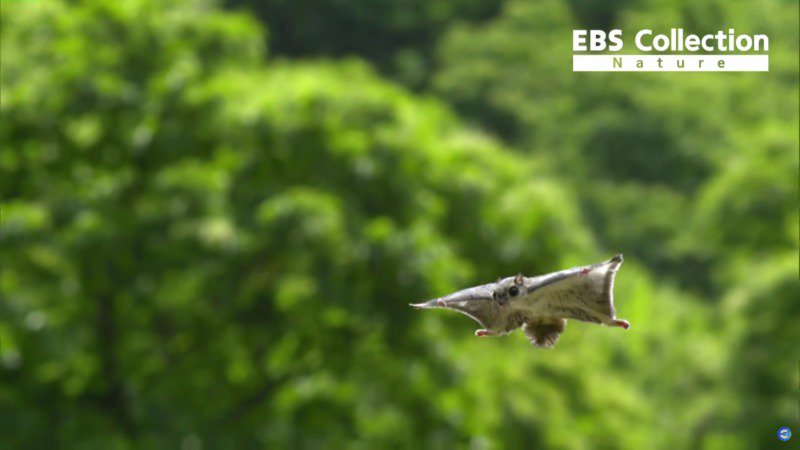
{"x":693,"y":173}
{"x":196,"y":248}
{"x":763,"y":312}
{"x":398,"y":36}
{"x":199,"y":248}
{"x":639,"y":147}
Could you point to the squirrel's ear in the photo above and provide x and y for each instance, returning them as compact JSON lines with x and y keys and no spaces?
{"x":519,"y":279}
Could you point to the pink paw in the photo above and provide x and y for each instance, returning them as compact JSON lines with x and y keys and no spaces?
{"x":621,"y":323}
{"x":483,"y":333}
{"x":584,"y":271}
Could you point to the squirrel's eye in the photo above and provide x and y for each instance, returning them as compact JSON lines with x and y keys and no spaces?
{"x":514,"y":291}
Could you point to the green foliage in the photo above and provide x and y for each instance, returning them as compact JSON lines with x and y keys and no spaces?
{"x":398,"y":36}
{"x":689,"y":157}
{"x":200,"y":248}
{"x":762,"y":312}
{"x":692,"y":174}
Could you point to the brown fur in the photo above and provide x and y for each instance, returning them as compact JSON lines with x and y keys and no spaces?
{"x":544,"y":333}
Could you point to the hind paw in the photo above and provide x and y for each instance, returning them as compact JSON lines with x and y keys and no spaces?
{"x":621,"y":323}
{"x":484,"y":333}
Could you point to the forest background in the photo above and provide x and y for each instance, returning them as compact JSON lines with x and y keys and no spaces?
{"x":213,"y":216}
